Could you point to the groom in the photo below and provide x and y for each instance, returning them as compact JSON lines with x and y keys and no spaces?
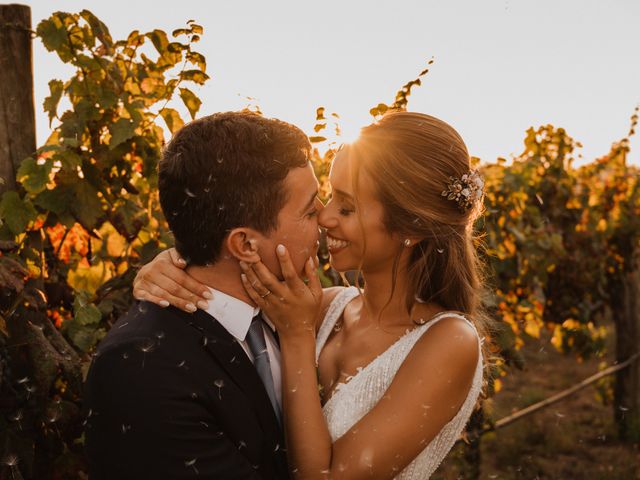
{"x":172,"y":395}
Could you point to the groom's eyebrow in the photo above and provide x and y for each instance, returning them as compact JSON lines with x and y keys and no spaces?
{"x":311,"y":201}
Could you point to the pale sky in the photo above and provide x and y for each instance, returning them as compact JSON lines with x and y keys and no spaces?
{"x":500,"y":66}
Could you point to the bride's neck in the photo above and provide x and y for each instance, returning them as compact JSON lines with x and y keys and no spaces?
{"x":380,"y":301}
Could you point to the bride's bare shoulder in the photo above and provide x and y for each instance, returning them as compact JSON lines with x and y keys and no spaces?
{"x":452,"y":341}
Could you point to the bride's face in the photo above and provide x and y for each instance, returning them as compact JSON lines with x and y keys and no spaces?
{"x":349,"y":222}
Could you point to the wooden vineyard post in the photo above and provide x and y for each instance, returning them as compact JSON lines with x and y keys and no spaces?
{"x":626,"y":310}
{"x":17,"y":115}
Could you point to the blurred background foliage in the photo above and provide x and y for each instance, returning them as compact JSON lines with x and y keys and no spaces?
{"x":561,"y":242}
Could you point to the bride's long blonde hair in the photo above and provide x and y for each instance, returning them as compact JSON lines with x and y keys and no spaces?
{"x":411,"y":158}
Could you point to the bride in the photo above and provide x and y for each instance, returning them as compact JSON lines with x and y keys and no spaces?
{"x":380,"y":380}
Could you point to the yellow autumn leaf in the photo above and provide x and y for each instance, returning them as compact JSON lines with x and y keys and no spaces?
{"x":532,"y":325}
{"x":497,"y":385}
{"x":556,"y":339}
{"x":602,"y":225}
{"x":571,"y":324}
{"x":509,"y":245}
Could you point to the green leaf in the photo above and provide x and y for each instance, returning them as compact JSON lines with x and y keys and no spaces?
{"x":88,"y":36}
{"x":86,"y":207}
{"x":56,"y":200}
{"x":15,"y":212}
{"x":69,"y":159}
{"x":49,"y":148}
{"x":88,"y":64}
{"x":108,"y":99}
{"x":70,"y":142}
{"x":82,"y":298}
{"x":190,"y":101}
{"x":196,"y":76}
{"x":128,"y":219}
{"x":88,"y":314}
{"x":121,"y":131}
{"x":55,"y":38}
{"x":84,"y":337}
{"x":33,"y":176}
{"x":172,"y":119}
{"x":51,"y":102}
{"x":100,"y":30}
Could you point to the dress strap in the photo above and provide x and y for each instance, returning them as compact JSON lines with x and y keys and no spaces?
{"x":334,"y":312}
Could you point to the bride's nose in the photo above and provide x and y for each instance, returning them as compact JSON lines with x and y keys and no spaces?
{"x":326,"y":218}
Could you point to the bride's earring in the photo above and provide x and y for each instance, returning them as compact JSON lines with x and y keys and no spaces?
{"x":407,"y":242}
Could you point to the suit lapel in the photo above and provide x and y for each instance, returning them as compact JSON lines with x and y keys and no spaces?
{"x":233,"y":359}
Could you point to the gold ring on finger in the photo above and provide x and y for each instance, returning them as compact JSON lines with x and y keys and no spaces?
{"x":266,"y":294}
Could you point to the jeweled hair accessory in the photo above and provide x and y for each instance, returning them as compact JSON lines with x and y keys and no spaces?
{"x":465,"y":190}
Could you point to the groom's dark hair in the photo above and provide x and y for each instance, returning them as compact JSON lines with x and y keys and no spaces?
{"x":226,"y":171}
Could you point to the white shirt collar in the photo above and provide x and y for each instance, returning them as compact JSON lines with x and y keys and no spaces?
{"x":234,"y":314}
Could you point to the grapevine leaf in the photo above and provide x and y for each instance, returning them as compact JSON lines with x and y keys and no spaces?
{"x":121,"y":131}
{"x":196,"y":76}
{"x":172,"y":119}
{"x":88,"y":314}
{"x":87,"y":207}
{"x":34,"y":176}
{"x":15,"y":212}
{"x":191,"y":101}
{"x":51,"y":102}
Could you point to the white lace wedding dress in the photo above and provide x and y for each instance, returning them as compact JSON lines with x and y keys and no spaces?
{"x":353,"y":399}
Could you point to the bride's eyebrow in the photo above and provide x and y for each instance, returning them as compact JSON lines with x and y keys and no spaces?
{"x":342,"y":193}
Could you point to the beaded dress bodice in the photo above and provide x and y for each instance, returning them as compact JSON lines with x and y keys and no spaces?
{"x":352,"y":400}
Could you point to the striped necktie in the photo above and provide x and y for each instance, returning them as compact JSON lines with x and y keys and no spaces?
{"x":258,"y":348}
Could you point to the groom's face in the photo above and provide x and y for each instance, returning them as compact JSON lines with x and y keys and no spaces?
{"x":297,"y":222}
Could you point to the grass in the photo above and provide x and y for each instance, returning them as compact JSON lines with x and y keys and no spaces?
{"x":574,"y":439}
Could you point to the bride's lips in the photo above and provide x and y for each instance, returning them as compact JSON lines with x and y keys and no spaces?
{"x":335,"y":245}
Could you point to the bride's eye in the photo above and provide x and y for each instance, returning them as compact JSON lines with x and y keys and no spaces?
{"x":345,"y":212}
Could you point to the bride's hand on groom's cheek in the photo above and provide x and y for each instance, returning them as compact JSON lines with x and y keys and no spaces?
{"x":164,"y":282}
{"x":292,"y":305}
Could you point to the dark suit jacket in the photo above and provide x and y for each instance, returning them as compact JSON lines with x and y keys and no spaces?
{"x":172,"y":395}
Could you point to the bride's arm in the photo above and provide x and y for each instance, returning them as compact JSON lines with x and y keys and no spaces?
{"x":164,"y":282}
{"x":425,"y":395}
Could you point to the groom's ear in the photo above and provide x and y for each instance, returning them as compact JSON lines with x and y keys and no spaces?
{"x":242,"y":244}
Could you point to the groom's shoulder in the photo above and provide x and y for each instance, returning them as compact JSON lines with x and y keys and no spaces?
{"x":143,"y":321}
